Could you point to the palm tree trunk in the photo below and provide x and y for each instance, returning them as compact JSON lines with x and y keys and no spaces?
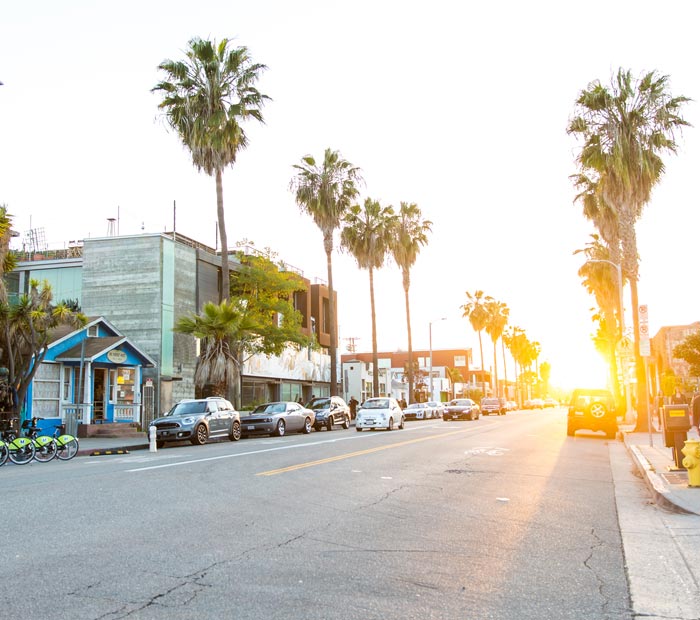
{"x":375,"y":357}
{"x":505,"y":370}
{"x":495,"y":371}
{"x":225,"y":286}
{"x":642,"y":424}
{"x":410,"y":344}
{"x":328,"y":245}
{"x":483,"y":377}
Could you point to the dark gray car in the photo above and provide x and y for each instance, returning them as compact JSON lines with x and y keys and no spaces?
{"x":330,"y":410}
{"x":198,"y":420}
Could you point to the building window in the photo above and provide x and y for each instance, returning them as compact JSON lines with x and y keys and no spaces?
{"x":326,"y":327}
{"x":68,"y":382}
{"x":92,"y":331}
{"x":124,"y":386}
{"x":46,"y":392}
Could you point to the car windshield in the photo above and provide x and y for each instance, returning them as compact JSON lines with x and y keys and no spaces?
{"x":460,"y":403}
{"x":197,"y":406}
{"x":416,"y":406}
{"x":320,"y":403}
{"x":270,"y":408}
{"x":490,"y":401}
{"x":380,"y":403}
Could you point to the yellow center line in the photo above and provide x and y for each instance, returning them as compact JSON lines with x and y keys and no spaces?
{"x":340,"y":457}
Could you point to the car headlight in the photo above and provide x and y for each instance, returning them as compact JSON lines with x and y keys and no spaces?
{"x":188,"y":421}
{"x":267,"y":420}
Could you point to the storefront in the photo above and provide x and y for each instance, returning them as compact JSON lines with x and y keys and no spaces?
{"x":89,"y":376}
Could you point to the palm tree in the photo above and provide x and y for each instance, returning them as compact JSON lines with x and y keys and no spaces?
{"x":497,"y":319}
{"x":366,"y":235}
{"x":220,"y":327}
{"x":206,"y":98}
{"x":625,"y":129}
{"x":475,"y":311}
{"x":325,"y":192}
{"x":408,"y":236}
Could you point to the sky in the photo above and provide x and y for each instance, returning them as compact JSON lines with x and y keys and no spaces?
{"x":460,"y":107}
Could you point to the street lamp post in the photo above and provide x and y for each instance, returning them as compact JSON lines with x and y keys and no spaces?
{"x":430,"y":342}
{"x":618,"y":268}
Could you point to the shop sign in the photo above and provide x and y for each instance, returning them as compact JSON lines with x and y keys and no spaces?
{"x":116,"y":356}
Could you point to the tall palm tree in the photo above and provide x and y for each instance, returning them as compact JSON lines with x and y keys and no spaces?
{"x":366,"y":235}
{"x":497,"y":319}
{"x":409,"y":234}
{"x":206,"y":97}
{"x":325,"y":192}
{"x":7,"y":260}
{"x":475,"y":310}
{"x":625,"y":129}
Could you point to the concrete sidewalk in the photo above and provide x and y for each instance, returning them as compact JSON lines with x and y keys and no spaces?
{"x":655,"y":463}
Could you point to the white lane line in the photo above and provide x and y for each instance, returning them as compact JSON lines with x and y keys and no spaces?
{"x":287,"y":447}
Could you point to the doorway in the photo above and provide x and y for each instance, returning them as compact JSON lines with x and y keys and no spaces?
{"x":99,"y":394}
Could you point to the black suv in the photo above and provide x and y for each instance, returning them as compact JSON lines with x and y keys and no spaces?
{"x":329,"y":410}
{"x":592,"y":410}
{"x":197,"y":420}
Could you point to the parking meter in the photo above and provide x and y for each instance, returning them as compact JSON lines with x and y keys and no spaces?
{"x":676,"y":424}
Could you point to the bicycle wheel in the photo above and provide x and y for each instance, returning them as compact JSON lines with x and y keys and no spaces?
{"x":45,"y":449}
{"x":4,"y":452}
{"x":21,"y":452}
{"x":66,"y":451}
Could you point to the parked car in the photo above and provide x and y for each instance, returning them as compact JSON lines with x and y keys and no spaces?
{"x":511,"y":405}
{"x":379,"y":412}
{"x":278,"y":418}
{"x":198,"y":420}
{"x":461,"y":409}
{"x":329,"y":410}
{"x":592,"y":410}
{"x":550,"y":402}
{"x":493,"y":405}
{"x":418,"y":411}
{"x":438,"y":407}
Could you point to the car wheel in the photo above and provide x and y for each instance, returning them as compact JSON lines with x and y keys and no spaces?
{"x":471,"y":416}
{"x":570,"y":429}
{"x":318,"y":427}
{"x":200,"y":435}
{"x":611,"y":433}
{"x":346,"y":422}
{"x":280,"y":429}
{"x":358,"y":429}
{"x":597,"y":410}
{"x":402,"y":423}
{"x":160,"y":444}
{"x":390,"y":427}
{"x":329,"y":423}
{"x":307,"y":426}
{"x":235,"y":433}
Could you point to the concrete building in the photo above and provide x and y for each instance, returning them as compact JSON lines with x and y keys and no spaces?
{"x":662,"y":359}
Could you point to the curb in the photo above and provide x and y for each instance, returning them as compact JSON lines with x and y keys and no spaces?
{"x":662,"y":495}
{"x":108,"y":451}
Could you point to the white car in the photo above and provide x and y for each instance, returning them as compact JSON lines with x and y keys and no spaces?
{"x":418,"y":411}
{"x":438,"y":408}
{"x":379,"y":412}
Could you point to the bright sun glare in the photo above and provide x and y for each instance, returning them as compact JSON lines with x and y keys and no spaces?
{"x":581,"y":370}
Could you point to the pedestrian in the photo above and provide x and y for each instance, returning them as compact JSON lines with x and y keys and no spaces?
{"x":299,"y":400}
{"x":352,"y":403}
{"x":679,"y":398}
{"x":402,"y":403}
{"x":695,"y":412}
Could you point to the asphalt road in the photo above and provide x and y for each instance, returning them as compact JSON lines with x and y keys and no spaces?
{"x":500,"y":518}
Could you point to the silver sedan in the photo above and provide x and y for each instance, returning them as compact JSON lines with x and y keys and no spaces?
{"x":277,"y":418}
